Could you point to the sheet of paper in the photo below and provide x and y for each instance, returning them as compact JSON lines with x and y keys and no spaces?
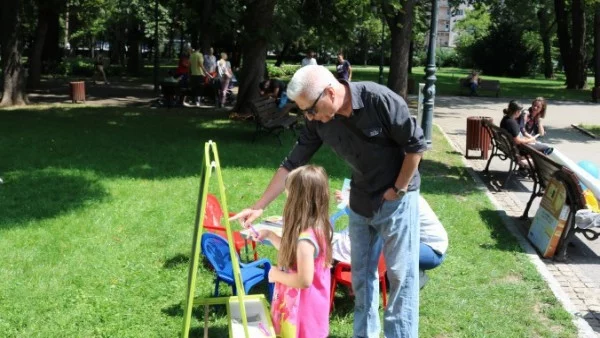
{"x":345,"y":194}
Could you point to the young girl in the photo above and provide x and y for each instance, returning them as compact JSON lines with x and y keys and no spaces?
{"x":300,"y":306}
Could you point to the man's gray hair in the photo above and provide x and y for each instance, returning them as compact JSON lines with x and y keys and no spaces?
{"x":309,"y":81}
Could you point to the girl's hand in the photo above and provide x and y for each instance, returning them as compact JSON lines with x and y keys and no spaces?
{"x":261,"y":235}
{"x":273,"y":274}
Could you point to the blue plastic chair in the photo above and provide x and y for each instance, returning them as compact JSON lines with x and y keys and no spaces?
{"x":216,"y":250}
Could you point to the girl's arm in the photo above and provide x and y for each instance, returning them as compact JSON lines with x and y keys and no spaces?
{"x":305,"y":258}
{"x":541,"y":127}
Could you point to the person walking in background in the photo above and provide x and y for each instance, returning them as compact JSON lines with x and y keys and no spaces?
{"x":343,"y":68}
{"x":309,"y":59}
{"x":198,"y":75}
{"x":210,"y":62}
{"x":225,"y":75}
{"x":99,"y":69}
{"x":183,"y":67}
{"x":300,"y":306}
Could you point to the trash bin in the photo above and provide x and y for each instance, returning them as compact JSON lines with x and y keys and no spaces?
{"x":77,"y":91}
{"x":478,"y":139}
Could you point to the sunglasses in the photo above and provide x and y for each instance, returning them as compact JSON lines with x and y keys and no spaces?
{"x":312,"y":110}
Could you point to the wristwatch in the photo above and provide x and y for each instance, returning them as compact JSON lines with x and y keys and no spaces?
{"x":399,"y":192}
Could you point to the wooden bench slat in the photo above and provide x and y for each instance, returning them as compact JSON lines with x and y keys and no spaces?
{"x":270,"y":118}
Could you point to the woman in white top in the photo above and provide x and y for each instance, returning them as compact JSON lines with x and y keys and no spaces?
{"x":432,"y":237}
{"x":225,"y":74}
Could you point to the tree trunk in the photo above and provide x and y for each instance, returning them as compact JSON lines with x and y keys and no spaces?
{"x":257,"y":21}
{"x":66,"y":31}
{"x":572,"y":46}
{"x":282,"y":53}
{"x":400,"y":23}
{"x":597,"y":45}
{"x":134,"y":58}
{"x":546,"y":37}
{"x":411,"y":54}
{"x":35,"y":64}
{"x":14,"y":77}
{"x":207,"y":25}
{"x":564,"y":38}
{"x":579,"y":50}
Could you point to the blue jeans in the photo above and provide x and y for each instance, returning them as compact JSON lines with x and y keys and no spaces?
{"x":428,"y":258}
{"x":395,"y":227}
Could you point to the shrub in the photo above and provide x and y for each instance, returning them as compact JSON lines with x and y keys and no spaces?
{"x":283,"y":71}
{"x":447,"y":57}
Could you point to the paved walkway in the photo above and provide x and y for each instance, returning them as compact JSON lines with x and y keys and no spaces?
{"x":576,"y":282}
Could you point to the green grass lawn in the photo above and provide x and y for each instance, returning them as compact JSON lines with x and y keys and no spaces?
{"x":510,"y":88}
{"x":594,"y":129}
{"x":97,"y":211}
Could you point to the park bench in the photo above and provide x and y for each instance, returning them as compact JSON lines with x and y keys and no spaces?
{"x":503,"y":147}
{"x":483,"y":86}
{"x":270,"y":119}
{"x":576,"y":201}
{"x":542,"y":170}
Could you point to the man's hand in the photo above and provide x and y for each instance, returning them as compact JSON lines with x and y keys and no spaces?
{"x":390,"y":195}
{"x":338,"y":196}
{"x":247,"y":216}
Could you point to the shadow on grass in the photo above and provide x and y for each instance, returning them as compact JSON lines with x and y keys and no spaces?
{"x":44,"y":194}
{"x":503,"y":239}
{"x":344,"y":305}
{"x":215,"y":311}
{"x":132,"y":142}
{"x":440,"y":179}
{"x":176,"y":261}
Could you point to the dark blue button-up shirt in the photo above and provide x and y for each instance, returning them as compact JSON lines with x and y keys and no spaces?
{"x":383,"y":131}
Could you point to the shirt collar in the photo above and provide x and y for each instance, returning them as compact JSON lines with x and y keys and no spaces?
{"x":357,"y":102}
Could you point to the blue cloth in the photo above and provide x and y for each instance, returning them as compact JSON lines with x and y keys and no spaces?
{"x":283,"y":100}
{"x":395,"y":229}
{"x":428,"y":258}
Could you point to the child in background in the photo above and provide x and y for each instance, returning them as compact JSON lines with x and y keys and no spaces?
{"x":300,"y":306}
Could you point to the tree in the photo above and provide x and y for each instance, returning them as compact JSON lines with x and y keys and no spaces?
{"x":400,"y":20}
{"x":596,"y":50}
{"x":256,"y":21}
{"x":47,"y":10}
{"x":572,"y":42}
{"x":14,"y":92}
{"x":547,"y":27}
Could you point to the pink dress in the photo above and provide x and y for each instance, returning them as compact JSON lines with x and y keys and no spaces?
{"x":304,"y":313}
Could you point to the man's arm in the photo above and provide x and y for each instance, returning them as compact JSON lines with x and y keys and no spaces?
{"x":275,"y":187}
{"x":349,"y":72}
{"x":405,"y":132}
{"x":308,"y":143}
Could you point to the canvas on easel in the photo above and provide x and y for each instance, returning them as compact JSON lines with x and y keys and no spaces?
{"x":249,"y":316}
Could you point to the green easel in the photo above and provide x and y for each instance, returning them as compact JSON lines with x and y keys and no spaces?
{"x":236,"y":305}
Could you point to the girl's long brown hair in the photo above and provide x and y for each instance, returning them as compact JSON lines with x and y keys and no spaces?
{"x":307,"y":206}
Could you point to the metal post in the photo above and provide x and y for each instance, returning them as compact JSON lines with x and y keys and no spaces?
{"x":156,"y":49}
{"x":381,"y":50}
{"x":429,"y":89}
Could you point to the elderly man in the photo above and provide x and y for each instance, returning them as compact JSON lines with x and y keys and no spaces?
{"x":370,"y":127}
